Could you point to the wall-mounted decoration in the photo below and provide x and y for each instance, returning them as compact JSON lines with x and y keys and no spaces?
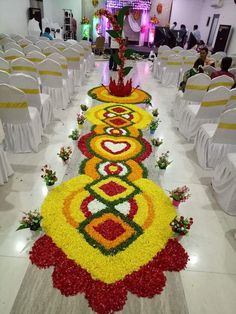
{"x":159,"y":8}
{"x":95,"y":3}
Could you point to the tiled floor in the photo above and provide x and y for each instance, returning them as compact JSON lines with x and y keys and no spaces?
{"x":210,"y":279}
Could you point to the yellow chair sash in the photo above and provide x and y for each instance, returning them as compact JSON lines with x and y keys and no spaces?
{"x":24,"y":45}
{"x":196,"y":87}
{"x":73,"y":59}
{"x":81,"y":54}
{"x":47,"y":53}
{"x":35,"y":59}
{"x":9,"y":58}
{"x":30,"y":91}
{"x":5,"y":70}
{"x":228,"y":84}
{"x":64,"y":66}
{"x":51,"y":73}
{"x":214,"y":103}
{"x":188,"y":62}
{"x":227,"y":126}
{"x":61,"y":48}
{"x":164,"y":58}
{"x":13,"y":105}
{"x":173,"y":63}
{"x":233,"y":97}
{"x":24,"y":68}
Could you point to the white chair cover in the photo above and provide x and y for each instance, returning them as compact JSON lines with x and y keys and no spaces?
{"x":5,"y":168}
{"x":232,"y":101}
{"x":214,"y":141}
{"x":74,"y":63}
{"x":42,"y":44}
{"x":13,"y":45}
{"x":171,"y":71}
{"x":22,"y":124}
{"x":212,"y":105}
{"x":195,"y":90}
{"x":12,"y":54}
{"x":233,"y":71}
{"x":4,"y":65}
{"x":224,"y":184}
{"x":23,"y":65}
{"x":30,"y":87}
{"x":4,"y":77}
{"x":24,"y":42}
{"x":209,"y":69}
{"x":222,"y":80}
{"x":1,"y":54}
{"x":83,"y":60}
{"x":49,"y":50}
{"x":30,"y":48}
{"x":163,"y":56}
{"x":59,"y":44}
{"x":52,"y":82}
{"x":36,"y":57}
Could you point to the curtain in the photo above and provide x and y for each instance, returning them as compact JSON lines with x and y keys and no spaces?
{"x":133,"y":24}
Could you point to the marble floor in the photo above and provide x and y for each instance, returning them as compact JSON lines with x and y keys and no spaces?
{"x":209,"y":282}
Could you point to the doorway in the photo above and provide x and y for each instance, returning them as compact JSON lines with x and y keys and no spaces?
{"x":214,"y":24}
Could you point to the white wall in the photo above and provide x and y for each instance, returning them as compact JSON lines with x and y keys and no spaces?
{"x":186,"y":12}
{"x":53,"y":10}
{"x":13,"y":16}
{"x":227,"y":16}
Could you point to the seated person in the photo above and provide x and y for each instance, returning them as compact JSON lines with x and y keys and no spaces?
{"x":224,"y":67}
{"x":47,"y":33}
{"x":197,"y":68}
{"x":204,"y":56}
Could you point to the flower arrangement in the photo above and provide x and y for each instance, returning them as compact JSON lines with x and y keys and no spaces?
{"x":48,"y":175}
{"x":154,"y":125}
{"x":85,"y":20}
{"x":155,"y":113}
{"x":80,"y":119}
{"x":31,"y":220}
{"x":83,"y":107}
{"x":163,"y":161}
{"x":154,"y":20}
{"x":74,"y":135}
{"x":180,"y":194}
{"x":65,"y":153}
{"x":181,"y":225}
{"x":157,"y":142}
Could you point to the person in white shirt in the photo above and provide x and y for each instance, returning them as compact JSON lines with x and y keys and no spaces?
{"x":196,"y":33}
{"x":173,"y":26}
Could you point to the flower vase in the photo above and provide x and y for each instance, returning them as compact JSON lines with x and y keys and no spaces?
{"x":50,"y":187}
{"x":179,"y":237}
{"x":80,"y":126}
{"x":152,"y":132}
{"x":175,"y":203}
{"x":35,"y":234}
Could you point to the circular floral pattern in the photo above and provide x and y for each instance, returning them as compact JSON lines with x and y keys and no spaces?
{"x":101,"y":93}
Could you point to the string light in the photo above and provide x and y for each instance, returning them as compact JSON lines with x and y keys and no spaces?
{"x":135,"y":4}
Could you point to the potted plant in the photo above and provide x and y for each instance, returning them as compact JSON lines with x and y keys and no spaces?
{"x":157,"y":142}
{"x":163,"y":161}
{"x":179,"y":195}
{"x":155,"y":113}
{"x":49,"y":176}
{"x":83,"y":107}
{"x":74,"y":135}
{"x":153,"y":126}
{"x":31,"y":220}
{"x":80,"y":120}
{"x":181,"y":225}
{"x":65,"y":153}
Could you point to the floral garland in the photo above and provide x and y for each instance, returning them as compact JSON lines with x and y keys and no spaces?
{"x":101,"y":93}
{"x":108,"y":230}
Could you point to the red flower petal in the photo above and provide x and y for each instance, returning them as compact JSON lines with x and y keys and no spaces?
{"x":83,"y":146}
{"x":147,"y":152}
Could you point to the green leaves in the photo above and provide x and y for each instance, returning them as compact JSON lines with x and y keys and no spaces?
{"x":113,"y":33}
{"x":121,"y":14}
{"x":117,"y":59}
{"x":129,"y":52}
{"x":127,"y":70}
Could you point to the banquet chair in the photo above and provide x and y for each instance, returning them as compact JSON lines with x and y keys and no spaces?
{"x":224,"y":183}
{"x":30,"y":87}
{"x":188,"y":63}
{"x":214,"y":140}
{"x":209,"y":69}
{"x":23,"y":65}
{"x":16,"y":37}
{"x":233,"y":71}
{"x":83,"y":60}
{"x":51,"y":76}
{"x":13,"y":45}
{"x":232,"y":101}
{"x":218,"y":56}
{"x":4,"y":65}
{"x":12,"y":54}
{"x":32,"y":38}
{"x":177,"y":49}
{"x":36,"y":57}
{"x":24,"y":42}
{"x":4,"y":77}
{"x":223,"y":80}
{"x":213,"y":104}
{"x":73,"y":58}
{"x":163,"y":58}
{"x":72,"y":41}
{"x":89,"y":54}
{"x":30,"y":48}
{"x":6,"y":40}
{"x":45,"y":39}
{"x":1,"y":54}
{"x":22,"y":124}
{"x":187,"y":53}
{"x":5,"y":168}
{"x":59,"y":45}
{"x":171,"y":71}
{"x":49,"y":50}
{"x":42,"y":44}
{"x":67,"y":80}
{"x":195,"y":90}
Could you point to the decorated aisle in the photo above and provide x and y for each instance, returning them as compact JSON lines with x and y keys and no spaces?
{"x":107,"y":231}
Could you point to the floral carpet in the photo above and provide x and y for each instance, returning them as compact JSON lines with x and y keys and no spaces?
{"x":107,"y":231}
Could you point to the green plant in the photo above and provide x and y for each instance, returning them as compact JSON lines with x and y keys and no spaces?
{"x":155,"y":113}
{"x":156,"y":142}
{"x":180,"y":194}
{"x":163,"y":161}
{"x":181,"y":225}
{"x":74,"y":135}
{"x":83,"y":107}
{"x":154,"y":125}
{"x":49,"y":176}
{"x":65,"y":153}
{"x":31,"y":220}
